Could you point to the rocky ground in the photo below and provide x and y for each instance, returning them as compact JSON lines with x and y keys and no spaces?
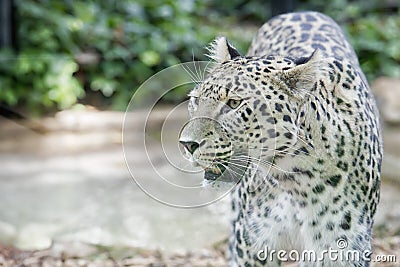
{"x":79,"y":255}
{"x":73,"y":128}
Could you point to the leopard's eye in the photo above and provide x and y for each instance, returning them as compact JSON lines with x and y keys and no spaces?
{"x":234,"y":103}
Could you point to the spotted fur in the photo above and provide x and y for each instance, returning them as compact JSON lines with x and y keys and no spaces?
{"x":297,"y":113}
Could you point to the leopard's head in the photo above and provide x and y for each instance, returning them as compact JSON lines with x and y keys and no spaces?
{"x":247,"y":109}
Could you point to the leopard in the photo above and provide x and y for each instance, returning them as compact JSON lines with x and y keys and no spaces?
{"x":294,"y":126}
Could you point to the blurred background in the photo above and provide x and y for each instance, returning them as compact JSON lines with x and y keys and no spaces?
{"x":67,"y":72}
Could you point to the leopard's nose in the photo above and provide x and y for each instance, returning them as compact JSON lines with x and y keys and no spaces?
{"x":190,"y":146}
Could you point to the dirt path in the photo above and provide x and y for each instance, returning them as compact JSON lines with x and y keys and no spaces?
{"x":56,"y":182}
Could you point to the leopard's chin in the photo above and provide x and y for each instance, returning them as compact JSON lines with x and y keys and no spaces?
{"x":218,"y":172}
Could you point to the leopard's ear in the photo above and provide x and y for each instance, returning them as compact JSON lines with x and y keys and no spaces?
{"x":305,"y":73}
{"x":221,"y":50}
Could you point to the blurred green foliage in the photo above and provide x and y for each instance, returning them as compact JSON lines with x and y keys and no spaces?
{"x":69,"y":49}
{"x":373,"y":28}
{"x":377,"y":42}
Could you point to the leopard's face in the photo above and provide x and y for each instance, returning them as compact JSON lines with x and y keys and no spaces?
{"x":242,"y":112}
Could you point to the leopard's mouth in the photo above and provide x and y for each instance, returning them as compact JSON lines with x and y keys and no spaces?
{"x":214,"y":172}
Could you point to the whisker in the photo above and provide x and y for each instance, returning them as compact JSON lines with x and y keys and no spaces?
{"x":194,"y":65}
{"x":203,"y":76}
{"x":264,"y":179}
{"x":231,"y":168}
{"x":197,"y":69}
{"x":236,"y":164}
{"x":228,"y":166}
{"x":191,"y":74}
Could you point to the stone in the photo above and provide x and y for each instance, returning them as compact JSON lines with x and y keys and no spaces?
{"x":35,"y":236}
{"x":72,"y":249}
